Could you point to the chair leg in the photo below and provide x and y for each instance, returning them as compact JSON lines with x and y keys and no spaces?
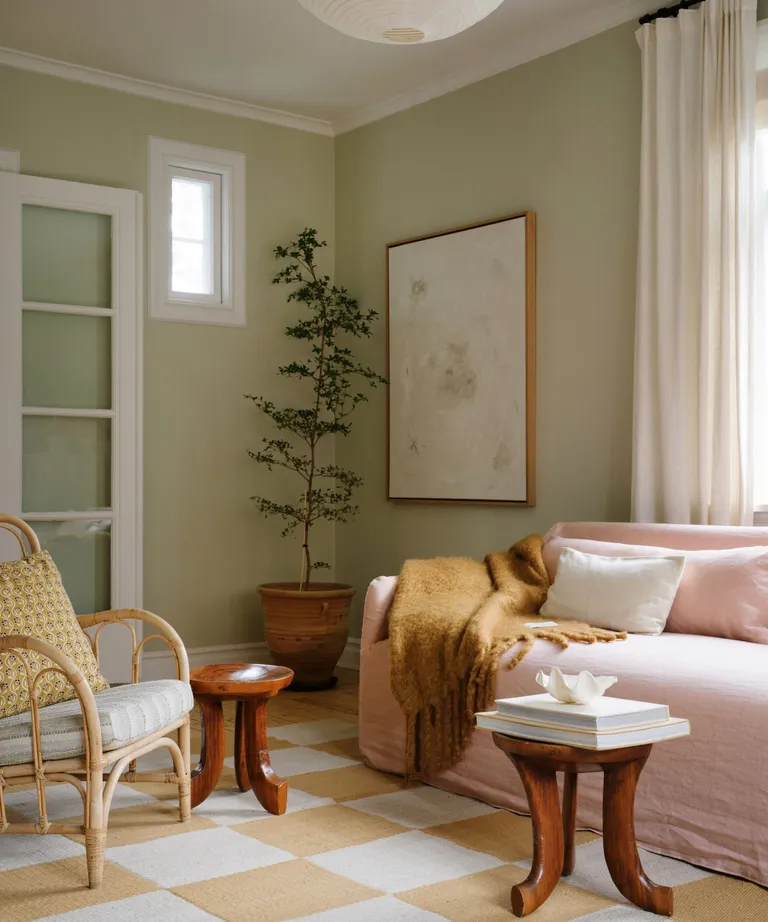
{"x":95,"y":833}
{"x":185,"y":805}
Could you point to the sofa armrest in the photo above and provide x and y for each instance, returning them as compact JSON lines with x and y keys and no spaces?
{"x":378,"y":600}
{"x":12,"y":643}
{"x":163,"y":631}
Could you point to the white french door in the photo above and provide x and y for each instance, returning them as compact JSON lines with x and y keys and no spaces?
{"x":70,"y":386}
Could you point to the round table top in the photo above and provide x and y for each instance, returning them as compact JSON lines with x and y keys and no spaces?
{"x":239,"y":680}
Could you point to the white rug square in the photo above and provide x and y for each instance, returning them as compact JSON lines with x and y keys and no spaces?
{"x":619,"y":914}
{"x":421,"y":807}
{"x":21,"y":851}
{"x":384,"y":909}
{"x":228,"y":808}
{"x":404,"y":862}
{"x":159,"y":906}
{"x":185,"y":859}
{"x":298,"y":760}
{"x":592,"y":873}
{"x":63,"y":800}
{"x":311,"y":732}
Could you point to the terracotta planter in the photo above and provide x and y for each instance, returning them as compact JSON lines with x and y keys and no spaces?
{"x":307,"y":629}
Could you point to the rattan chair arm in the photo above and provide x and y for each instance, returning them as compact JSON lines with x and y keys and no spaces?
{"x":62,"y":663}
{"x":166,"y":632}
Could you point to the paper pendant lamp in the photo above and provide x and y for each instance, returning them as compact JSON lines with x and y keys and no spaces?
{"x":400,"y":22}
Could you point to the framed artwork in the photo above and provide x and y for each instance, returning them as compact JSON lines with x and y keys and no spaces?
{"x":461,"y":364}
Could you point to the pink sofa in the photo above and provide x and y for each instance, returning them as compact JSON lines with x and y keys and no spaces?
{"x":704,"y":798}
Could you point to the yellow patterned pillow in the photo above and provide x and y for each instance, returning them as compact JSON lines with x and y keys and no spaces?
{"x":33,"y":602}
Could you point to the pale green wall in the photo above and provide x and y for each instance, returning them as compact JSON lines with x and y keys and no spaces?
{"x":559,"y":135}
{"x":205,"y":547}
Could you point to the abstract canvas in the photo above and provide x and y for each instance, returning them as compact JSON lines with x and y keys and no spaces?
{"x":461,"y":364}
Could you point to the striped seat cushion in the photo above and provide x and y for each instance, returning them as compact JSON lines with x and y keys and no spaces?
{"x":127,"y":713}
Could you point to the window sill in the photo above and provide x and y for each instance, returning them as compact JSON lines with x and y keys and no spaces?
{"x":190,"y":312}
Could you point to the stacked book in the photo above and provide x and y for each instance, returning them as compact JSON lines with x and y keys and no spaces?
{"x":606,"y":723}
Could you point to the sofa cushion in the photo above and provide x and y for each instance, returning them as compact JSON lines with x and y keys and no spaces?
{"x":723,"y":593}
{"x":127,"y":713}
{"x":620,"y":592}
{"x":33,"y":603}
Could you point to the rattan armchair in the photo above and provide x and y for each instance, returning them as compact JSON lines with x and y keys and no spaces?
{"x":96,"y":772}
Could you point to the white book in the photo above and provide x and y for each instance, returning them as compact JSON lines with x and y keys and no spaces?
{"x":584,"y":739}
{"x":603,"y":714}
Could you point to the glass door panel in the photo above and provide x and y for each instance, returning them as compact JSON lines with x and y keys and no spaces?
{"x":66,"y":257}
{"x":82,"y":552}
{"x":70,"y":352}
{"x":66,"y":464}
{"x":67,"y":360}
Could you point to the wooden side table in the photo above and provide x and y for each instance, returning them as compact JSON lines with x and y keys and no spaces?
{"x":554,"y":830}
{"x":251,"y":686}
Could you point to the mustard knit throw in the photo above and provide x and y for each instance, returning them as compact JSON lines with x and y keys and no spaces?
{"x":451,"y":620}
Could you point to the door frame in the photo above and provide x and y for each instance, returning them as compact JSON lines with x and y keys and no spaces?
{"x":125,"y":207}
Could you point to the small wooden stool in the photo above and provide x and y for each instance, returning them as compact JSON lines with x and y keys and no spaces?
{"x":251,"y":686}
{"x":554,"y":830}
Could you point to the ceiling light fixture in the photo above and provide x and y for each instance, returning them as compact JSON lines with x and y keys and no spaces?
{"x":401,"y":22}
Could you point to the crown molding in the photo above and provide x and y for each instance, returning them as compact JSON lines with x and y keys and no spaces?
{"x":25,"y":61}
{"x":568,"y":31}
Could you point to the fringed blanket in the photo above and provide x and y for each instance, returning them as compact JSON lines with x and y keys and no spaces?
{"x":451,"y":620}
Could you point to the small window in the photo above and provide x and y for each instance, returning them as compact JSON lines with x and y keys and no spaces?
{"x":197,"y":233}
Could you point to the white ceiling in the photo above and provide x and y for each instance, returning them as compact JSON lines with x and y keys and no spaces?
{"x":274,"y":54}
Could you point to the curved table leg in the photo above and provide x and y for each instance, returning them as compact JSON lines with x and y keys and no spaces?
{"x":208,"y":770}
{"x":540,"y":785}
{"x":620,"y":784}
{"x":570,"y":789}
{"x":270,"y":790}
{"x":241,"y":762}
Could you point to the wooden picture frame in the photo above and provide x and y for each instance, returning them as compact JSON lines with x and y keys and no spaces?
{"x":488,"y":371}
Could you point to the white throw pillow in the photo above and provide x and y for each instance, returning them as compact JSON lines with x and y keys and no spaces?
{"x":633,"y":594}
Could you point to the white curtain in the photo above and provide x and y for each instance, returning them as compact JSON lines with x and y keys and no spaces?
{"x":695,"y":348}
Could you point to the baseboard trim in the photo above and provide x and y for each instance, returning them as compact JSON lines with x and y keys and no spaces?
{"x":350,"y":658}
{"x":161,"y":664}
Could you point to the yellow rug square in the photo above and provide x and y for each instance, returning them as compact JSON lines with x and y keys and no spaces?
{"x":41,"y":890}
{"x":348,"y":783}
{"x":145,"y":822}
{"x":505,"y":835}
{"x":290,"y":710}
{"x":274,"y":894}
{"x":721,"y":899}
{"x":349,"y":749}
{"x":310,"y":832}
{"x":484,"y":897}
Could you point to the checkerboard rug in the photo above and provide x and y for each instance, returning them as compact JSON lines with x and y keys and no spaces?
{"x":354,"y":845}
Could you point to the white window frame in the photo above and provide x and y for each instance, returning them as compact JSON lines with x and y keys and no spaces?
{"x":227,"y":305}
{"x":214,"y":250}
{"x":125,"y":515}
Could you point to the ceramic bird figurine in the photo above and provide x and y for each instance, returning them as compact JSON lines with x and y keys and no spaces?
{"x":583,"y":688}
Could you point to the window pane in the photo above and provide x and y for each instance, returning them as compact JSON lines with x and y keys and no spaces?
{"x":67,"y":361}
{"x":191,"y":268}
{"x":82,"y":552}
{"x":66,"y":256}
{"x":67,"y":464}
{"x":191,"y":208}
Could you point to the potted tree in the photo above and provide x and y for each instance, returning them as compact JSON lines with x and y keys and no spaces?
{"x":306,"y":621}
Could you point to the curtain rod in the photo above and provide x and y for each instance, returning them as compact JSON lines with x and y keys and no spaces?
{"x":669,"y":11}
